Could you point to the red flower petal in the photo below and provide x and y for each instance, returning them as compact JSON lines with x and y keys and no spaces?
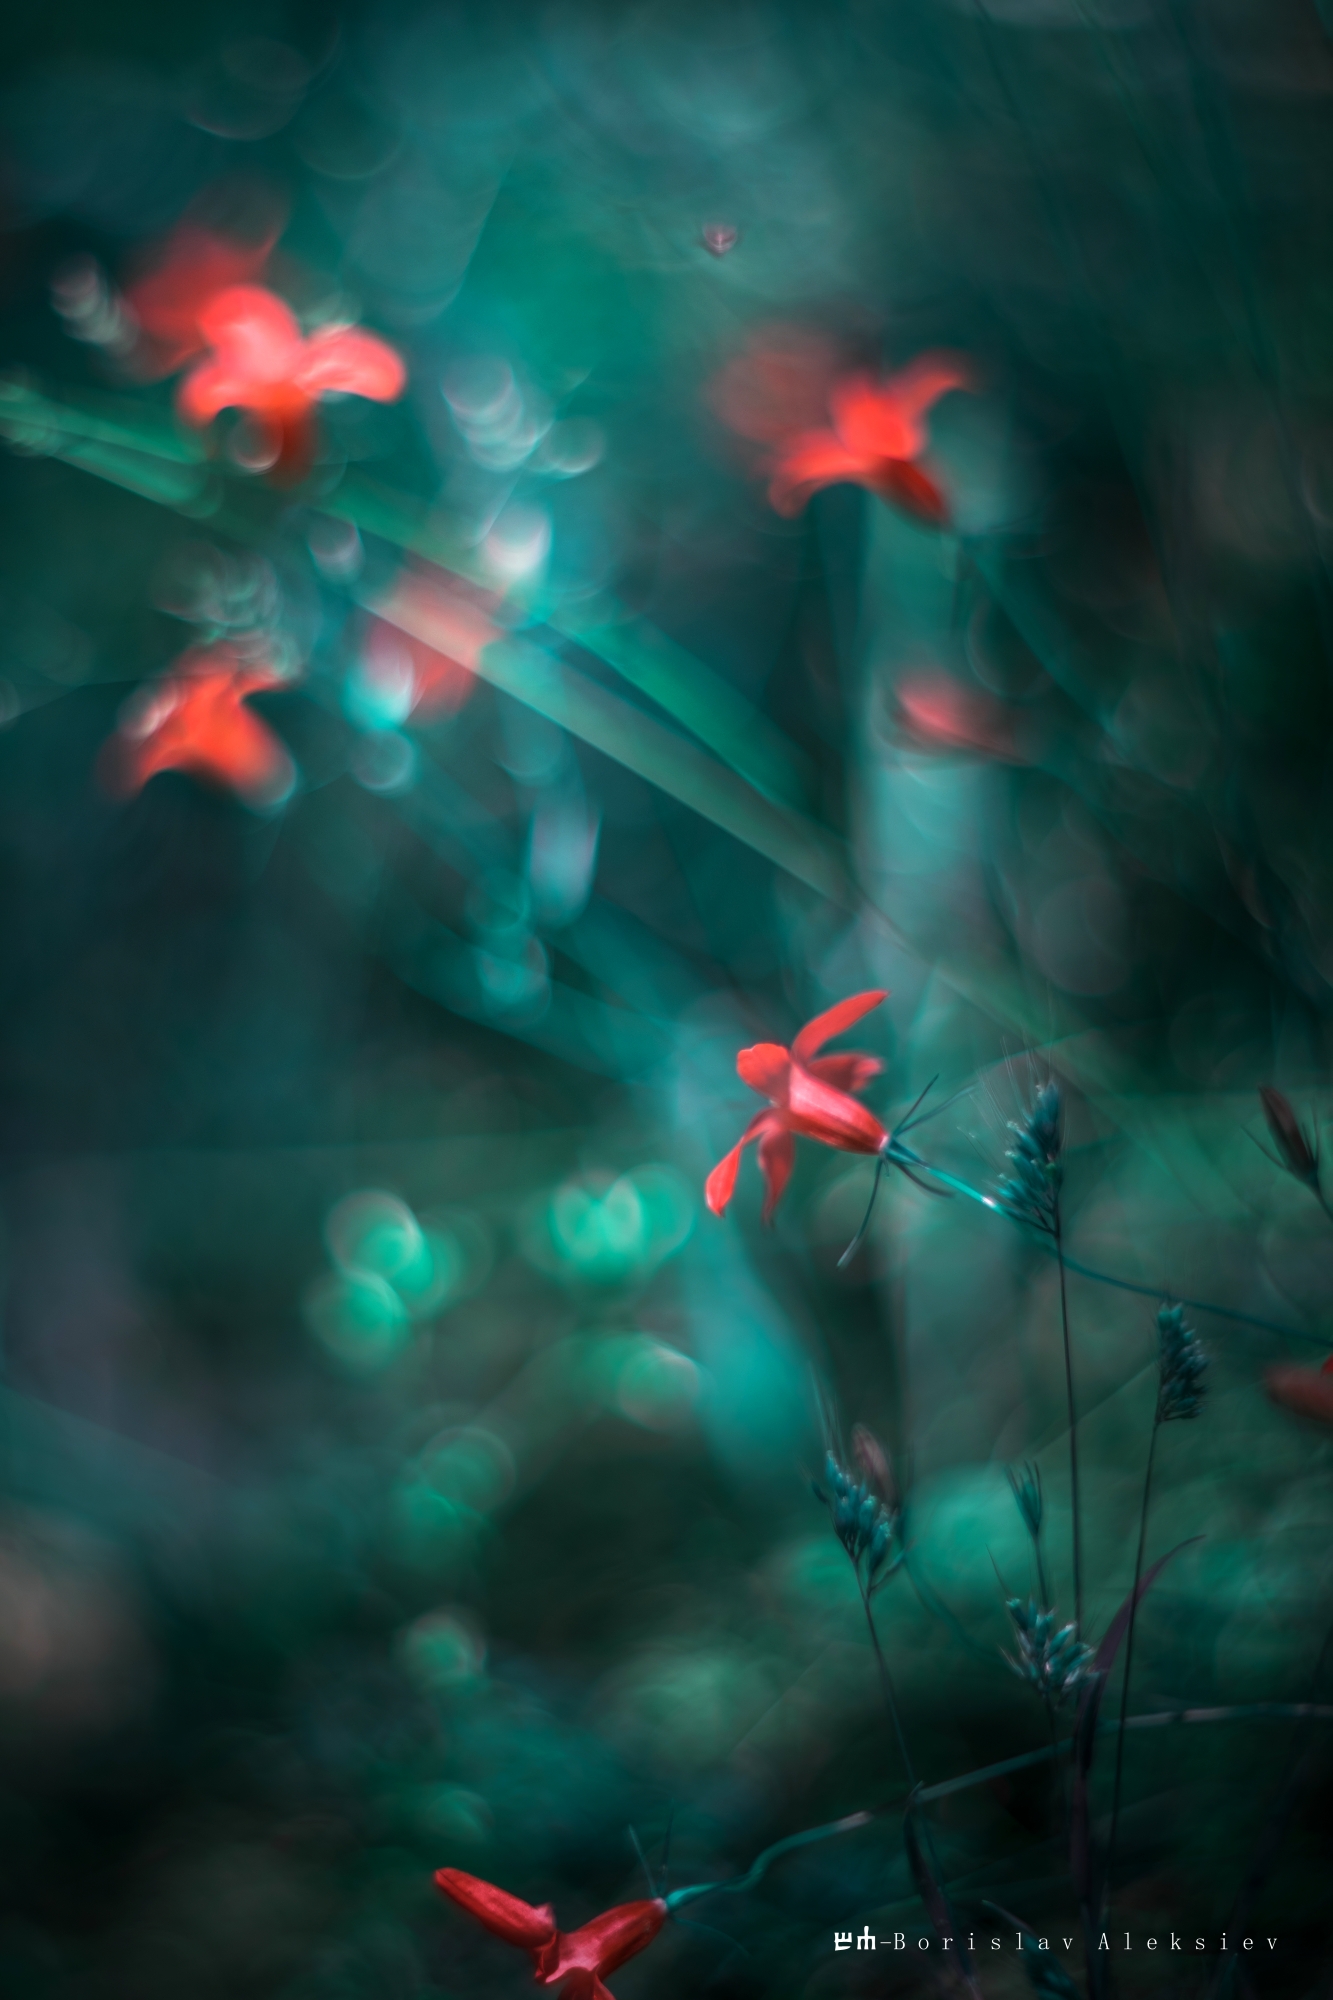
{"x":940,"y":712}
{"x":872,"y":423}
{"x":721,"y":1183}
{"x":922,"y":382}
{"x":196,"y":720}
{"x":585,"y":1986}
{"x":764,"y":1067}
{"x":505,"y":1916}
{"x":1309,"y":1393}
{"x":845,"y":1072}
{"x":816,"y":1111}
{"x":911,"y":489}
{"x":605,"y":1943}
{"x":777,"y":1157}
{"x":812,"y":460}
{"x":778,"y":386}
{"x":1286,"y":1129}
{"x":835,"y":1021}
{"x":255,"y":331}
{"x":352,"y":362}
{"x":192,"y":267}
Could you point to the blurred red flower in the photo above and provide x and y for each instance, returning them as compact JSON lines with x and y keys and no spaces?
{"x":581,"y":1958}
{"x":1306,"y":1391}
{"x":940,"y":713}
{"x":260,"y":362}
{"x":196,"y":719}
{"x":434,"y":627}
{"x":192,"y":267}
{"x":825,"y":428}
{"x":809,"y":1096}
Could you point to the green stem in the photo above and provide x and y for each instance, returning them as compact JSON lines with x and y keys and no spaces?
{"x":1260,"y":1711}
{"x":1073,"y":1430}
{"x":1129,"y":1657}
{"x":890,"y":1698}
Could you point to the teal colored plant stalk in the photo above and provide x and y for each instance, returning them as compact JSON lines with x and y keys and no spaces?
{"x":1181,"y":1363}
{"x":1032,"y":1194}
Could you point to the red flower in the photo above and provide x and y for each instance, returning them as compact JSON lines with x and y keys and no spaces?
{"x":809,"y":1096}
{"x":1307,"y":1391}
{"x":260,"y":362}
{"x":581,"y":1958}
{"x":434,"y":627}
{"x":192,"y":267}
{"x":196,"y":719}
{"x":938,"y":712}
{"x":823,"y":425}
{"x":877,"y":437}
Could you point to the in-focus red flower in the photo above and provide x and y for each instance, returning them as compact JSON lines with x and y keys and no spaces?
{"x":1306,"y":1391}
{"x":825,"y":427}
{"x":582,"y":1958}
{"x":197,"y":719}
{"x":260,"y":362}
{"x":190,"y":269}
{"x":809,"y":1096}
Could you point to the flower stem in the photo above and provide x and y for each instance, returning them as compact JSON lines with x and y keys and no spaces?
{"x":890,"y":1698}
{"x":1269,"y":1711}
{"x":1129,"y":1656}
{"x":1073,"y":1430}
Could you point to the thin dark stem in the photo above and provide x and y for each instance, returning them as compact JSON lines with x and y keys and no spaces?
{"x":1073,"y":1431}
{"x":890,"y":1698}
{"x":1042,"y":1584}
{"x":859,"y":1237}
{"x":1129,"y":1657}
{"x":1270,"y":1711}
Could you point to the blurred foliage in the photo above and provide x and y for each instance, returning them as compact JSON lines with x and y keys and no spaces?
{"x":402,"y":1469}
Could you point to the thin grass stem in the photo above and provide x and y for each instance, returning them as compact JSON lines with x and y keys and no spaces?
{"x":890,"y":1698}
{"x":1260,"y":1711}
{"x":1129,"y":1659}
{"x":1073,"y":1431}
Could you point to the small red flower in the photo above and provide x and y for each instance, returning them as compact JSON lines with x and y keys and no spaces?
{"x":260,"y":362}
{"x":939,"y":713}
{"x":876,"y":439}
{"x":436,"y":627}
{"x":823,"y":425}
{"x":1306,"y":1391}
{"x":189,"y":269}
{"x":196,"y":719}
{"x":1298,"y":1155}
{"x":581,"y":1958}
{"x":809,"y":1095}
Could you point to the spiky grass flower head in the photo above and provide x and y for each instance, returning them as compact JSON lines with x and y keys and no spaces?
{"x":1053,"y":1660}
{"x":1025,"y":1485}
{"x":1032,"y":1192}
{"x":1181,"y":1363}
{"x":861,"y":1521}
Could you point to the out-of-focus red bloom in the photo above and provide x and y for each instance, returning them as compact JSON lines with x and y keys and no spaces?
{"x":260,"y":362}
{"x":809,"y":1095}
{"x":196,"y":719}
{"x":1300,"y":1158}
{"x":192,"y":267}
{"x":824,"y":428}
{"x":942,"y":714}
{"x":582,"y":1958}
{"x":1307,"y":1391}
{"x":440,"y":625}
